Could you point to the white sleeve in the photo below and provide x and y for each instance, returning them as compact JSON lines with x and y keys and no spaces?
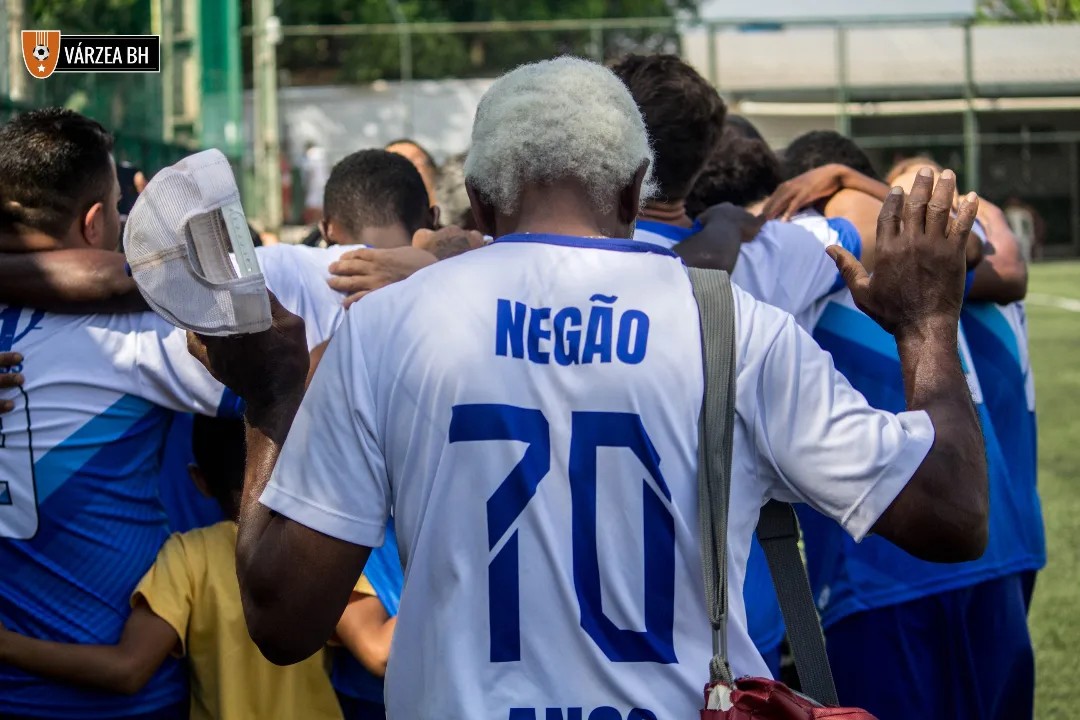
{"x":169,"y":376}
{"x":818,"y":440}
{"x":331,"y":474}
{"x":786,"y":266}
{"x":299,"y":278}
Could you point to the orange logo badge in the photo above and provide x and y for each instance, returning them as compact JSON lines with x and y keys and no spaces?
{"x":41,"y":51}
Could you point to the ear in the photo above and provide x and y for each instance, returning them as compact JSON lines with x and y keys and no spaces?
{"x":93,"y":225}
{"x":434,"y":215}
{"x":324,"y":230}
{"x":197,"y":477}
{"x":483,"y":211}
{"x":630,"y":197}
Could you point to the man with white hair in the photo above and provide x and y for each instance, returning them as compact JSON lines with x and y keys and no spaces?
{"x":529,"y":411}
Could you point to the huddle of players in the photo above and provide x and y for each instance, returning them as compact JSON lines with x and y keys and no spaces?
{"x":926,"y":627}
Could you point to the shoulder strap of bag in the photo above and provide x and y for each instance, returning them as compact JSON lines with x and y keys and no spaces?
{"x":712,"y":290}
{"x":778,"y":532}
{"x":778,"y":528}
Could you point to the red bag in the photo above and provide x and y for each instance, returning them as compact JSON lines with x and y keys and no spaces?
{"x":755,"y":698}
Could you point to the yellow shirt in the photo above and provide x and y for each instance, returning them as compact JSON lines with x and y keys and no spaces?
{"x":192,"y":586}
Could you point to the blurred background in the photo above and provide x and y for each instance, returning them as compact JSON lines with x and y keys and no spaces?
{"x":989,"y":87}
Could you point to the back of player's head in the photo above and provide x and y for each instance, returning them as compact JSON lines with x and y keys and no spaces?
{"x":376,"y":188}
{"x":556,"y":120}
{"x":220,"y":454}
{"x":413,"y":150}
{"x":822,"y":147}
{"x":684,"y":115}
{"x":742,"y":171}
{"x":911,"y":165}
{"x":453,"y":197}
{"x":55,"y":164}
{"x":739,"y":126}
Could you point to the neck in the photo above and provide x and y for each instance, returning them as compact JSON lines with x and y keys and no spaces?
{"x":26,"y":242}
{"x":560,"y":209}
{"x":671,"y":212}
{"x":390,"y":236}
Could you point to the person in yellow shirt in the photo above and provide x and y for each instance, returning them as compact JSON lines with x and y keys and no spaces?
{"x":188,"y":605}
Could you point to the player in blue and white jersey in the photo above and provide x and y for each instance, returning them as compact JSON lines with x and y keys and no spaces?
{"x":921,"y":620}
{"x":529,"y":411}
{"x":783,"y":265}
{"x":80,"y":517}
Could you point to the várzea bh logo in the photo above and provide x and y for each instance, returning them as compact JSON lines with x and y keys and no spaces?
{"x":41,"y":51}
{"x":48,"y":51}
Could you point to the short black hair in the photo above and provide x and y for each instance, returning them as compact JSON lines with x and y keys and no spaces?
{"x":739,"y":126}
{"x":742,"y":171}
{"x":376,"y":188}
{"x":220,"y":452}
{"x":55,"y":164}
{"x":683,"y":113}
{"x":821,"y":147}
{"x":423,"y":150}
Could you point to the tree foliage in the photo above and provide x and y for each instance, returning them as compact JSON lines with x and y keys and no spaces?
{"x":364,"y":58}
{"x":1030,"y":11}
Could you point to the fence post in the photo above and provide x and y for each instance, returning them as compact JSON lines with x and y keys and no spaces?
{"x":596,"y":40}
{"x":714,"y":54}
{"x":267,"y":140}
{"x":843,"y":120}
{"x":18,"y":88}
{"x":971,"y":119}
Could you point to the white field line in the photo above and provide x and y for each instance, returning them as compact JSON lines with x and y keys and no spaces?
{"x":1054,"y":301}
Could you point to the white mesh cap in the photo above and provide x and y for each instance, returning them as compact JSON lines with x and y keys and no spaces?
{"x":178,"y":240}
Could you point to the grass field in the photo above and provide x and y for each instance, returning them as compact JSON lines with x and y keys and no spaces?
{"x":1055,"y":615}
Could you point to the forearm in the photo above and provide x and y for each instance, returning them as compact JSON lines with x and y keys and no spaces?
{"x":69,"y":281}
{"x":102,"y":667}
{"x":949,"y":495}
{"x":289,"y":615}
{"x":855,"y":180}
{"x":370,"y":645}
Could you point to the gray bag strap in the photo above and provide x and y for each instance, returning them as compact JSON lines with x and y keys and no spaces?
{"x":778,"y":528}
{"x":778,"y":532}
{"x":712,"y":290}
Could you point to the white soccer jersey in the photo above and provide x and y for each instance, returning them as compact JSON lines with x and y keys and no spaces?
{"x":784,"y":265}
{"x":298,"y":276}
{"x":530,"y":411}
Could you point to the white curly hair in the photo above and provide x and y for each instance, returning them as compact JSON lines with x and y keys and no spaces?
{"x":557,"y":119}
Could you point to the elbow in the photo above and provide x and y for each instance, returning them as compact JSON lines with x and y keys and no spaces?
{"x":131,"y":677}
{"x":966,"y":543}
{"x":279,"y":645}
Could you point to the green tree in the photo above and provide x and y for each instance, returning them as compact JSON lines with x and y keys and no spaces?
{"x":1030,"y":11}
{"x":364,"y":58}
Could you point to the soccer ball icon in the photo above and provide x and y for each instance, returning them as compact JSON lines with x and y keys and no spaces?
{"x":41,"y":52}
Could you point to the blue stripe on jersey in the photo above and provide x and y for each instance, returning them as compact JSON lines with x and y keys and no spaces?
{"x":58,"y":465}
{"x":100,"y":529}
{"x":996,"y":353}
{"x":616,"y":244}
{"x":849,"y":577}
{"x":383,"y":571}
{"x":848,"y":237}
{"x":671,"y":232}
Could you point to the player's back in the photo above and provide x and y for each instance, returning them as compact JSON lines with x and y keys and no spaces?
{"x":540,"y":409}
{"x":80,"y":516}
